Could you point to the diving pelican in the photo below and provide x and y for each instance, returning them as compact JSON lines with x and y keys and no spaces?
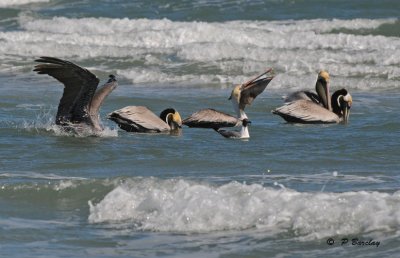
{"x":318,"y":109}
{"x":79,"y":106}
{"x":242,"y":134}
{"x":241,"y":96}
{"x":140,"y":119}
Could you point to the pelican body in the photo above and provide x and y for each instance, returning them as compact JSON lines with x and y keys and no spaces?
{"x":242,"y":134}
{"x":141,"y":120}
{"x":241,"y":96}
{"x":211,"y":118}
{"x":306,"y":107}
{"x":79,"y":106}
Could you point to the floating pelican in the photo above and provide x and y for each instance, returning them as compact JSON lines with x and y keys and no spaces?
{"x":79,"y":106}
{"x":242,"y":134}
{"x":211,"y":118}
{"x":141,"y":119}
{"x":241,"y":96}
{"x":319,"y":108}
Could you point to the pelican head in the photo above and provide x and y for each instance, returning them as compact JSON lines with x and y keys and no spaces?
{"x":323,"y":75}
{"x":246,"y":122}
{"x":172,"y":118}
{"x":345,"y":104}
{"x":235,"y":94}
{"x":235,"y":99}
{"x":244,"y":132}
{"x":322,"y":88}
{"x":341,"y":104}
{"x":111,"y":78}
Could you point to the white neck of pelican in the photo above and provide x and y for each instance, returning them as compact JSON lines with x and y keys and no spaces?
{"x":239,"y":112}
{"x":244,"y":132}
{"x":328,"y":94}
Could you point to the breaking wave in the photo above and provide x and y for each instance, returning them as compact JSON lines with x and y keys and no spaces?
{"x":179,"y":205}
{"x":160,"y":51}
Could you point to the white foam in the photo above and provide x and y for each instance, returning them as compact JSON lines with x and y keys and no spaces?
{"x":166,"y":51}
{"x":45,"y":122}
{"x":7,"y":3}
{"x":183,"y":206}
{"x":35,"y":175}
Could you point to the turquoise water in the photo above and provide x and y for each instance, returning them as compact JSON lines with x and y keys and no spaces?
{"x":285,"y":192}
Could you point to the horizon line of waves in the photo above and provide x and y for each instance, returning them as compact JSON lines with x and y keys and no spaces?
{"x":182,"y":206}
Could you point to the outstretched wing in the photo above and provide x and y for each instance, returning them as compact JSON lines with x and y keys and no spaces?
{"x":305,"y":111}
{"x":254,"y":88}
{"x":138,"y":119}
{"x":210,"y":118}
{"x":79,"y":88}
{"x":101,"y":94}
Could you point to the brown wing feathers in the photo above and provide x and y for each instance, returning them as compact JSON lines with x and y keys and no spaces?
{"x":79,"y":88}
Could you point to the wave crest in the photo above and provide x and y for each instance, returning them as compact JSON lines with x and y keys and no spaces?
{"x":184,"y":206}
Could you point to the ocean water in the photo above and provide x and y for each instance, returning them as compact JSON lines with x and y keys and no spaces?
{"x":288,"y":191}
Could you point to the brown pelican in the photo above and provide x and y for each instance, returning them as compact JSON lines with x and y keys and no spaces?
{"x":211,"y":118}
{"x":141,"y":119}
{"x":322,"y":97}
{"x":79,"y":106}
{"x":242,"y":134}
{"x":244,"y":94}
{"x":307,"y":111}
{"x":241,"y":96}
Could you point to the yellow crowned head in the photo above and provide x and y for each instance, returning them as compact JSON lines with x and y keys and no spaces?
{"x":323,"y":75}
{"x":236,"y":93}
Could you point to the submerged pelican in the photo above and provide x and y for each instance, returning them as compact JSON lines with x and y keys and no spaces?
{"x":305,"y":107}
{"x":242,"y":134}
{"x":241,"y":96}
{"x":79,"y":106}
{"x":141,"y":119}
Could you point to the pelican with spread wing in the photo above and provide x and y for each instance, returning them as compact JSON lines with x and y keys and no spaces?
{"x":241,"y":96}
{"x":81,"y":100}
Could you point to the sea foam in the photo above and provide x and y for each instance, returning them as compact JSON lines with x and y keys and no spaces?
{"x":160,"y":51}
{"x":7,"y":3}
{"x":178,"y":205}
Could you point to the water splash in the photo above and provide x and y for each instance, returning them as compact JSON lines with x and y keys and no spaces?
{"x":45,"y":122}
